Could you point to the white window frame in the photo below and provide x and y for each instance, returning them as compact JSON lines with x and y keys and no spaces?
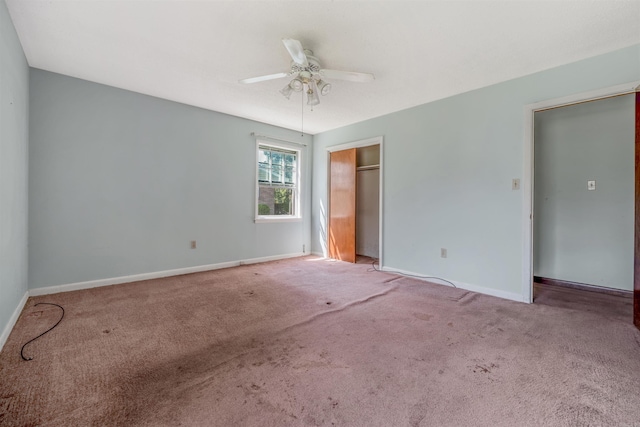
{"x":297,"y":189}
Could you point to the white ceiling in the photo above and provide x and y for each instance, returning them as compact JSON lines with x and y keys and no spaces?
{"x":195,"y":52}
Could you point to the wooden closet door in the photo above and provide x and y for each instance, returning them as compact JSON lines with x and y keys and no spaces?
{"x":342,"y":205}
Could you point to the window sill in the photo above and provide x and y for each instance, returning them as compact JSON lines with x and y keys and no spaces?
{"x":265,"y":219}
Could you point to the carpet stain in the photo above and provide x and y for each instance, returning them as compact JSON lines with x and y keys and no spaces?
{"x":484,"y":369}
{"x":423,"y":316}
{"x":417,"y":413}
{"x":334,"y":404}
{"x":533,"y":334}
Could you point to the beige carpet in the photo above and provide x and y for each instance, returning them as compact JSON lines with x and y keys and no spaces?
{"x":308,"y":342}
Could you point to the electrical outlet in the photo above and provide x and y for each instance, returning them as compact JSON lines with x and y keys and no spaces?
{"x":193,"y":244}
{"x":303,"y":248}
{"x":591,"y":185}
{"x":515,"y":184}
{"x":443,"y":252}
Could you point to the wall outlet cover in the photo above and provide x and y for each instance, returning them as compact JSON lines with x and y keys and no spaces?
{"x":591,"y":185}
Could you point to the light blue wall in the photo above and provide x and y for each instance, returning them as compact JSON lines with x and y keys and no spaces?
{"x":14,"y":134}
{"x":581,"y":235}
{"x":120,"y":183}
{"x":448,"y":167}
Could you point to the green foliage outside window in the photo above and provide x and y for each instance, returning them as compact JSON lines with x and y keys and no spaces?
{"x":282,"y":195}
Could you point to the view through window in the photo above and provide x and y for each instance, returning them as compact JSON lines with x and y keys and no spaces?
{"x":277,"y":181}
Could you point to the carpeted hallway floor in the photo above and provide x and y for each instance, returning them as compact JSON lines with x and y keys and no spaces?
{"x":309,"y":342}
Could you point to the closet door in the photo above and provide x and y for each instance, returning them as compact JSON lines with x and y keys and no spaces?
{"x":342,"y":206}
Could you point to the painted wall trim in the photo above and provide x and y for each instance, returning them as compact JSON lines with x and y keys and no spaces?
{"x":461,"y":285}
{"x":13,"y":319}
{"x":356,"y":144}
{"x":527,"y":174}
{"x":154,"y":275}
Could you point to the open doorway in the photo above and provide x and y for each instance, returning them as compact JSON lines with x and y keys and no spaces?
{"x":528,"y":184}
{"x":355,"y":201}
{"x":368,"y":201}
{"x":584,"y":200}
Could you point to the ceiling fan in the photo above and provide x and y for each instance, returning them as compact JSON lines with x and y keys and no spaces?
{"x":307,"y":72}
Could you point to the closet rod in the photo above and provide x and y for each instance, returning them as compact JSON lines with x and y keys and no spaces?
{"x":368,"y":167}
{"x":257,"y":135}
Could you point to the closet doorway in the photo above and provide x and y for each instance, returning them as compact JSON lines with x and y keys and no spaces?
{"x":355,"y":200}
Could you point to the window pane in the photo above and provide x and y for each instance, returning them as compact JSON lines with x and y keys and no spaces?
{"x":276,"y":158}
{"x":283,"y":201}
{"x":263,"y":172}
{"x":289,"y":175}
{"x":277,"y":174}
{"x":290,"y":160}
{"x":263,"y":156}
{"x":276,"y":201}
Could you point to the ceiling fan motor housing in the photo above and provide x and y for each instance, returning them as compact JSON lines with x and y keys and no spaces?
{"x":313,"y":67}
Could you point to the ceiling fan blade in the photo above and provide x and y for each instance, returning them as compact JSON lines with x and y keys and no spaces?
{"x":263,"y":78}
{"x":347,"y":75}
{"x":296,"y":51}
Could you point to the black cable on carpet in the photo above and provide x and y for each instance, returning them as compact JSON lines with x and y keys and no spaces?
{"x":373,"y":264}
{"x":31,"y":340}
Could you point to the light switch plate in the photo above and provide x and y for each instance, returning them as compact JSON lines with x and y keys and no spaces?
{"x":591,"y":185}
{"x":515,"y":184}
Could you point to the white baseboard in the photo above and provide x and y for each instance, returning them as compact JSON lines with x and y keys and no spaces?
{"x":320,"y":254}
{"x":466,"y":286}
{"x":153,"y":275}
{"x":270,"y":258}
{"x":12,"y":320}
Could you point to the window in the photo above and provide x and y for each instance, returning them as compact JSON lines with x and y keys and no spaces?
{"x":278,"y":183}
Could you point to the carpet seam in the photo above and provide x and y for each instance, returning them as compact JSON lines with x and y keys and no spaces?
{"x":295,"y":325}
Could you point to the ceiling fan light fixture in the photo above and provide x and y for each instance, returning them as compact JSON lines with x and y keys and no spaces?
{"x":286,"y":91}
{"x":312,"y":94}
{"x":296,"y":84}
{"x":324,"y":87}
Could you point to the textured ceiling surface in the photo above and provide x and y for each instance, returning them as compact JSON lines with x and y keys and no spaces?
{"x":195,"y":52}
